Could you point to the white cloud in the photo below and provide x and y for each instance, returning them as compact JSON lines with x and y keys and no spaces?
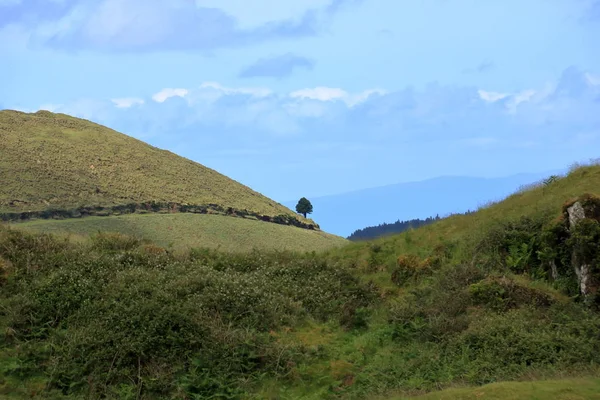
{"x":521,"y":97}
{"x":323,"y":93}
{"x":355,"y":99}
{"x":320,"y":93}
{"x":525,"y":95}
{"x":167,"y":93}
{"x":127,"y":102}
{"x":463,"y":115}
{"x":491,"y":97}
{"x":253,"y":91}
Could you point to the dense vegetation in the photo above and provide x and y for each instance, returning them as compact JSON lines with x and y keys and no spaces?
{"x":469,"y":300}
{"x":115,"y":317}
{"x":373,"y":232}
{"x":152,"y":207}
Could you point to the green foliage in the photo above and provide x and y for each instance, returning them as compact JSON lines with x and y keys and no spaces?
{"x":504,"y":293}
{"x":151,"y":207}
{"x":113,"y":318}
{"x":304,"y":207}
{"x":113,"y":242}
{"x":585,"y":242}
{"x":439,"y":339}
{"x":410,"y":267}
{"x":473,"y":299}
{"x":514,"y":244}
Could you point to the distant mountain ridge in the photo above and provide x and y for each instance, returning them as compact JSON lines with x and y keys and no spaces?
{"x":345,"y":213}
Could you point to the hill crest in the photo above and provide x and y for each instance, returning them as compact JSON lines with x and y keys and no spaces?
{"x":58,"y":161}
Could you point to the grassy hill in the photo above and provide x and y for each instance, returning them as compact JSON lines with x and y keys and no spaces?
{"x":185,"y":231}
{"x":538,"y":201}
{"x":468,"y":307}
{"x":55,"y":160}
{"x":60,"y":172}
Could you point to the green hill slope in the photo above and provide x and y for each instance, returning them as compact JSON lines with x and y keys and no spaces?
{"x":185,"y":231}
{"x":463,"y":303}
{"x":55,"y":160}
{"x":541,"y":201}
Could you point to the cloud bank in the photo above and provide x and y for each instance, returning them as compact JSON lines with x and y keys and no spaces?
{"x":331,"y":132}
{"x":150,"y":25}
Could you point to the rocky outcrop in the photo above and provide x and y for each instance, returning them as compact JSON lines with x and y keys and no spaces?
{"x":576,"y":213}
{"x":583,"y":217}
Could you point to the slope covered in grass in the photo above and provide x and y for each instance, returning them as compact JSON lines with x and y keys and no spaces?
{"x":542,"y":202}
{"x":55,"y":160}
{"x":184,"y":231}
{"x":465,"y":302}
{"x":568,"y":389}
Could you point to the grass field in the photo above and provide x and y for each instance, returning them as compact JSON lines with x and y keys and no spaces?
{"x":540,"y":201}
{"x":184,"y":231}
{"x":55,"y":160}
{"x":568,"y":389}
{"x":466,"y":308}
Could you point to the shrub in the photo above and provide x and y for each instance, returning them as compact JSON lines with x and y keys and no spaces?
{"x":410,"y":267}
{"x":118,"y":317}
{"x":505,"y":293}
{"x":113,"y":242}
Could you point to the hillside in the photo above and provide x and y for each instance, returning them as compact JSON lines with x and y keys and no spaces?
{"x":485,"y":305}
{"x":343,"y":213}
{"x":537,"y":201}
{"x":185,"y":231}
{"x":57,"y":161}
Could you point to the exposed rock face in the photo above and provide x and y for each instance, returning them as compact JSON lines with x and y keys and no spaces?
{"x":586,"y":279}
{"x":576,"y":214}
{"x":553,"y":270}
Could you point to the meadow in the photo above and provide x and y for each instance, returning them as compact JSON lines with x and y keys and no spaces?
{"x":57,"y":161}
{"x":464,"y":308}
{"x":183,"y":231}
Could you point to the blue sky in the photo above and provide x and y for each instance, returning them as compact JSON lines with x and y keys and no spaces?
{"x":317,"y":97}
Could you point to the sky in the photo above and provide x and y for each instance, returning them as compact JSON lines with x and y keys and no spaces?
{"x":318,"y":97}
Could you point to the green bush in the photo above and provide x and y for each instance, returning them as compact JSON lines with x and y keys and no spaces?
{"x":113,"y":241}
{"x":505,"y":293}
{"x":514,"y":245}
{"x":116,"y":318}
{"x":410,"y":267}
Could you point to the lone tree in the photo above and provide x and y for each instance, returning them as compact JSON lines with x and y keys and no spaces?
{"x":304,"y":207}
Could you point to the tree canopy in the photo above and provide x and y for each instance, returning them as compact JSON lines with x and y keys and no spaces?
{"x":304,"y":207}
